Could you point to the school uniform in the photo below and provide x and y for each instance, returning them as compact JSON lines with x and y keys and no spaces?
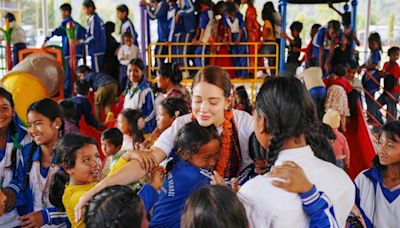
{"x":18,"y":140}
{"x":175,"y":30}
{"x":82,"y":107}
{"x":379,"y":205}
{"x":270,"y":206}
{"x":35,"y":197}
{"x":244,"y":125}
{"x":96,"y":41}
{"x":235,"y":26}
{"x":160,"y":13}
{"x":127,"y":26}
{"x":79,"y":49}
{"x":189,"y":25}
{"x":18,"y":40}
{"x":105,"y":88}
{"x":206,"y":19}
{"x":142,"y":98}
{"x":132,"y":52}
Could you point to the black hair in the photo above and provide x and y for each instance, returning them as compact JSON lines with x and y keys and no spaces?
{"x":346,"y":18}
{"x":67,"y":108}
{"x":139,"y":63}
{"x":315,"y":26}
{"x":339,"y":70}
{"x":352,"y":64}
{"x":51,"y":110}
{"x":133,"y":116}
{"x":312,"y":62}
{"x":83,"y":69}
{"x":256,"y":151}
{"x":393,"y":50}
{"x":174,"y":105}
{"x":89,"y":4}
{"x":267,"y":13}
{"x":297,"y":26}
{"x":65,"y":156}
{"x":319,"y":142}
{"x":82,"y":87}
{"x":375,"y":37}
{"x":66,"y":7}
{"x":230,"y":7}
{"x":9,"y":16}
{"x":218,"y":7}
{"x":192,"y":136}
{"x":116,"y":206}
{"x":127,"y":35}
{"x":170,"y":71}
{"x":392,"y":132}
{"x":285,"y":115}
{"x":123,"y":8}
{"x":334,"y":24}
{"x":214,"y":206}
{"x":113,"y":135}
{"x":12,"y":127}
{"x":109,"y":26}
{"x":242,"y":93}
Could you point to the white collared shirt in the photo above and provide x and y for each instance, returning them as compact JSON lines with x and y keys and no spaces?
{"x":270,"y":206}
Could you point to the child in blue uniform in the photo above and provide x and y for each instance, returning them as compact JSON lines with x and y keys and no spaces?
{"x":235,"y":25}
{"x":189,"y":24}
{"x":95,"y":37}
{"x":31,"y":183}
{"x":206,"y":19}
{"x":158,"y":9}
{"x":198,"y":149}
{"x":65,"y":10}
{"x":175,"y":28}
{"x":126,"y":24}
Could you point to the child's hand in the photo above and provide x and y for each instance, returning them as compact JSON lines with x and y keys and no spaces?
{"x":216,"y":179}
{"x":33,"y":219}
{"x":10,"y":199}
{"x":284,"y":35}
{"x":296,"y":181}
{"x":145,"y":158}
{"x":157,"y":177}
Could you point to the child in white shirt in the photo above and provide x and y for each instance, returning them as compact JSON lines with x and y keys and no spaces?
{"x":126,"y":53}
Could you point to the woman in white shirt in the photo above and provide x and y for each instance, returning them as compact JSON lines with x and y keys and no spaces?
{"x":211,"y":104}
{"x":282,"y":124}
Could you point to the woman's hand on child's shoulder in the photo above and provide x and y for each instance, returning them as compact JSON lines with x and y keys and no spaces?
{"x":157,"y":177}
{"x":145,"y":158}
{"x":295,"y":179}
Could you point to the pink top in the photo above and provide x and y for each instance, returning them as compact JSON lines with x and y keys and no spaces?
{"x":341,"y":148}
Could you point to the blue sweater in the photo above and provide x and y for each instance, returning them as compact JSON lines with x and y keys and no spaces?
{"x":97,"y":80}
{"x":83,"y":107}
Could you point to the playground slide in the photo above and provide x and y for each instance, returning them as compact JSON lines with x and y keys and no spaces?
{"x":361,"y":148}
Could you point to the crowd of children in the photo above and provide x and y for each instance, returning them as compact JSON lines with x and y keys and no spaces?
{"x":208,"y":157}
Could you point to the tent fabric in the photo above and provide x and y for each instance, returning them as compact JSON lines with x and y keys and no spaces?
{"x":314,"y":1}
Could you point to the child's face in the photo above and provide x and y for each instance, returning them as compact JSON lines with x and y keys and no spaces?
{"x":3,"y":199}
{"x":108,"y":148}
{"x":135,"y":74}
{"x":162,"y":82}
{"x":6,"y":113}
{"x":313,"y":32}
{"x":388,"y":150}
{"x":332,"y":33}
{"x":231,"y":15}
{"x":121,"y":15}
{"x":164,"y":121}
{"x":64,"y":14}
{"x":123,"y":125}
{"x":128,"y":40}
{"x":42,"y":129}
{"x":87,"y":10}
{"x":87,"y":165}
{"x":373,"y":45}
{"x":394,"y":56}
{"x":141,"y":123}
{"x":295,"y":33}
{"x":207,"y":156}
{"x":351,"y":73}
{"x":81,"y":76}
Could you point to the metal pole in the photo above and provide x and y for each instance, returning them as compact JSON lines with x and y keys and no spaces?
{"x":283,"y":4}
{"x":45,"y":18}
{"x":143,"y":33}
{"x":366,"y":30}
{"x":353,"y":21}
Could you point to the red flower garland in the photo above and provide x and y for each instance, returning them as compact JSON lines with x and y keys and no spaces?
{"x":225,"y":151}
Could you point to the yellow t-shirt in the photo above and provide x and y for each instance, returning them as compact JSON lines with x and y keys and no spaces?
{"x":118,"y":165}
{"x":71,"y":196}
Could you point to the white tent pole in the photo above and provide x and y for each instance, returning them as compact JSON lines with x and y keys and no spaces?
{"x":366,"y":30}
{"x":45,"y":19}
